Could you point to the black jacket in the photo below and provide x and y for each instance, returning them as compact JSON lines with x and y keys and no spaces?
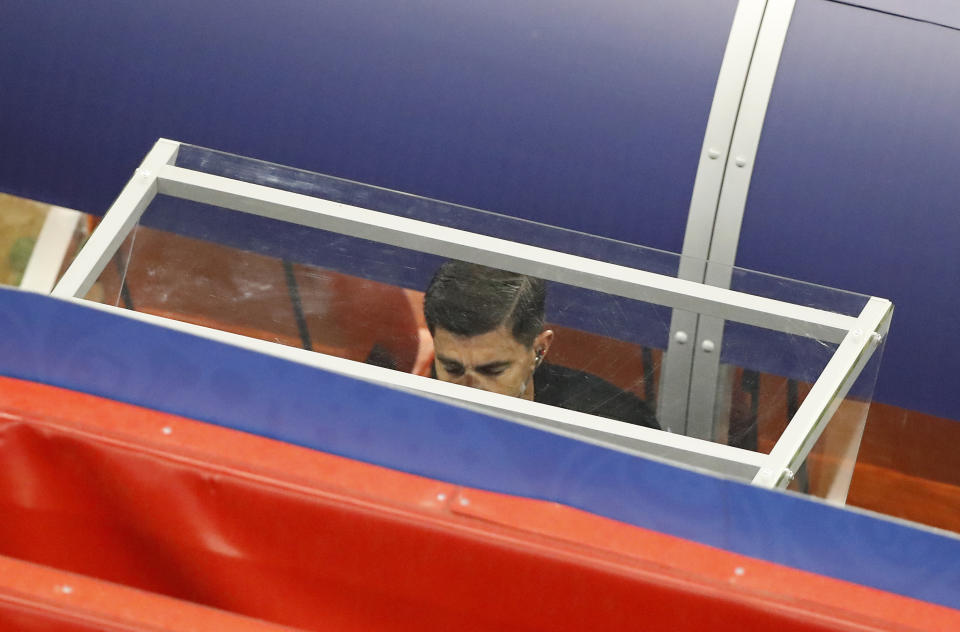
{"x":586,"y":393}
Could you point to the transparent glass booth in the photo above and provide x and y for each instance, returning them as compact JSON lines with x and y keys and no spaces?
{"x":770,"y":386}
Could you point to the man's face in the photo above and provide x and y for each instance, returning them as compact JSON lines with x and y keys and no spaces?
{"x":494,"y":361}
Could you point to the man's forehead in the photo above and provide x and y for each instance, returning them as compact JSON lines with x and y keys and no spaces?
{"x":498,"y":340}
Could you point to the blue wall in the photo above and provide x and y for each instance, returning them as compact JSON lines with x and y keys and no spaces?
{"x":856,"y":182}
{"x":584,"y":115}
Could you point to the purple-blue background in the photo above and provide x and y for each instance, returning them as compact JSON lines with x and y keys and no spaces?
{"x":583,"y":115}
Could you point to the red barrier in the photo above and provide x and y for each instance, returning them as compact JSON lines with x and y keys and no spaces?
{"x":306,"y":539}
{"x":35,"y":598}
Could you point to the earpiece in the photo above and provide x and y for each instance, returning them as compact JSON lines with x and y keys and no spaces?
{"x":536,"y":362}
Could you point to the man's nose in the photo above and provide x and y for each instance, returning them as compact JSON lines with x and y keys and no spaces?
{"x":472,"y":380}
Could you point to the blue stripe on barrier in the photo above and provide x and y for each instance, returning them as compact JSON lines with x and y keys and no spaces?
{"x":68,"y":345}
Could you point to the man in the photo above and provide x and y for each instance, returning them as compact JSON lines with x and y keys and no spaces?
{"x":488,"y":333}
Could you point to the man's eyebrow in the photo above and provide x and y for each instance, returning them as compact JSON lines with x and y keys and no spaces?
{"x":483,"y":367}
{"x":494,"y":365}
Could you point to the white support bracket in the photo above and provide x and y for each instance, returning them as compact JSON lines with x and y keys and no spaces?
{"x":705,"y":334}
{"x":117,"y":222}
{"x":826,"y":395}
{"x":672,"y":401}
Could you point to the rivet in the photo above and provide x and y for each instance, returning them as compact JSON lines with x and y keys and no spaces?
{"x":707,"y":346}
{"x":741,"y":161}
{"x":713,"y":153}
{"x":739,"y":571}
{"x":681,"y":337}
{"x":167,"y":430}
{"x":441,"y":497}
{"x":464,"y":501}
{"x":66,"y":590}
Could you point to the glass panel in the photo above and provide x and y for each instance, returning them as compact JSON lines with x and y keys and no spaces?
{"x":764,"y":377}
{"x":424,"y":209}
{"x":363,"y":300}
{"x":348,"y":297}
{"x":831,"y":462}
{"x":763,"y":380}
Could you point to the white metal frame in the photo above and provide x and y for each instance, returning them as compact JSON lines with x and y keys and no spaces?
{"x":733,"y":197}
{"x":858,"y":337}
{"x":691,"y":381}
{"x":673,"y":399}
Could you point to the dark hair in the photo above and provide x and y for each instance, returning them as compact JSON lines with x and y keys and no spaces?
{"x":468,"y":299}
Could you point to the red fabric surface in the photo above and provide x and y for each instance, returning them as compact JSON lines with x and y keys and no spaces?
{"x":34,"y":597}
{"x":297,"y":537}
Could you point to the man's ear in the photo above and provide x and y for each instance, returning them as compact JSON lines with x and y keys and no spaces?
{"x":541,"y":344}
